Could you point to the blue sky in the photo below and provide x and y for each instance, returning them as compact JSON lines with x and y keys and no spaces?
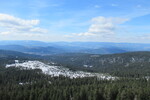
{"x":75,"y":20}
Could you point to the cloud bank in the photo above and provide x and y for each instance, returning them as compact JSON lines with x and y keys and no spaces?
{"x":102,"y":26}
{"x":14,"y":25}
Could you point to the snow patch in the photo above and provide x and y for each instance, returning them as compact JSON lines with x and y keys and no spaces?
{"x":57,"y":70}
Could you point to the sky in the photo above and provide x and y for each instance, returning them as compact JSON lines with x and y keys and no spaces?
{"x":75,"y":20}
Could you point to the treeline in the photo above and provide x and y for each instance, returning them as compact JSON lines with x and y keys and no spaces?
{"x":18,"y":84}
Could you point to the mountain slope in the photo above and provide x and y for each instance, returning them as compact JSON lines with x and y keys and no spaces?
{"x":54,"y":71}
{"x":117,"y":64}
{"x":133,"y":64}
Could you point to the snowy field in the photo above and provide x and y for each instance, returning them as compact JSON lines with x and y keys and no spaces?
{"x":57,"y":70}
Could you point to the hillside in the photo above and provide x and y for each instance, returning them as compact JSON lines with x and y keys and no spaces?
{"x":116,"y":64}
{"x":132,"y":64}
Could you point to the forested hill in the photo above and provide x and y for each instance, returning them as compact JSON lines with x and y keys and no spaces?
{"x":9,"y":57}
{"x":133,"y":64}
{"x":102,"y":60}
{"x":117,"y":64}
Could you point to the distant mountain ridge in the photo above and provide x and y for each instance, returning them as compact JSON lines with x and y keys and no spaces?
{"x":49,"y":48}
{"x":32,"y":49}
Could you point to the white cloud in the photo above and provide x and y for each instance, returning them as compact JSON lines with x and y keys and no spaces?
{"x":145,"y":36}
{"x":38,"y":30}
{"x":10,"y":25}
{"x":11,"y":20}
{"x":102,"y":26}
{"x":5,"y":33}
{"x":139,"y":6}
{"x":114,"y":5}
{"x":32,"y":35}
{"x":84,"y":34}
{"x":97,"y":6}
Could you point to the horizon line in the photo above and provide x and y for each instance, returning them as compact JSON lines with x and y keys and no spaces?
{"x":78,"y":41}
